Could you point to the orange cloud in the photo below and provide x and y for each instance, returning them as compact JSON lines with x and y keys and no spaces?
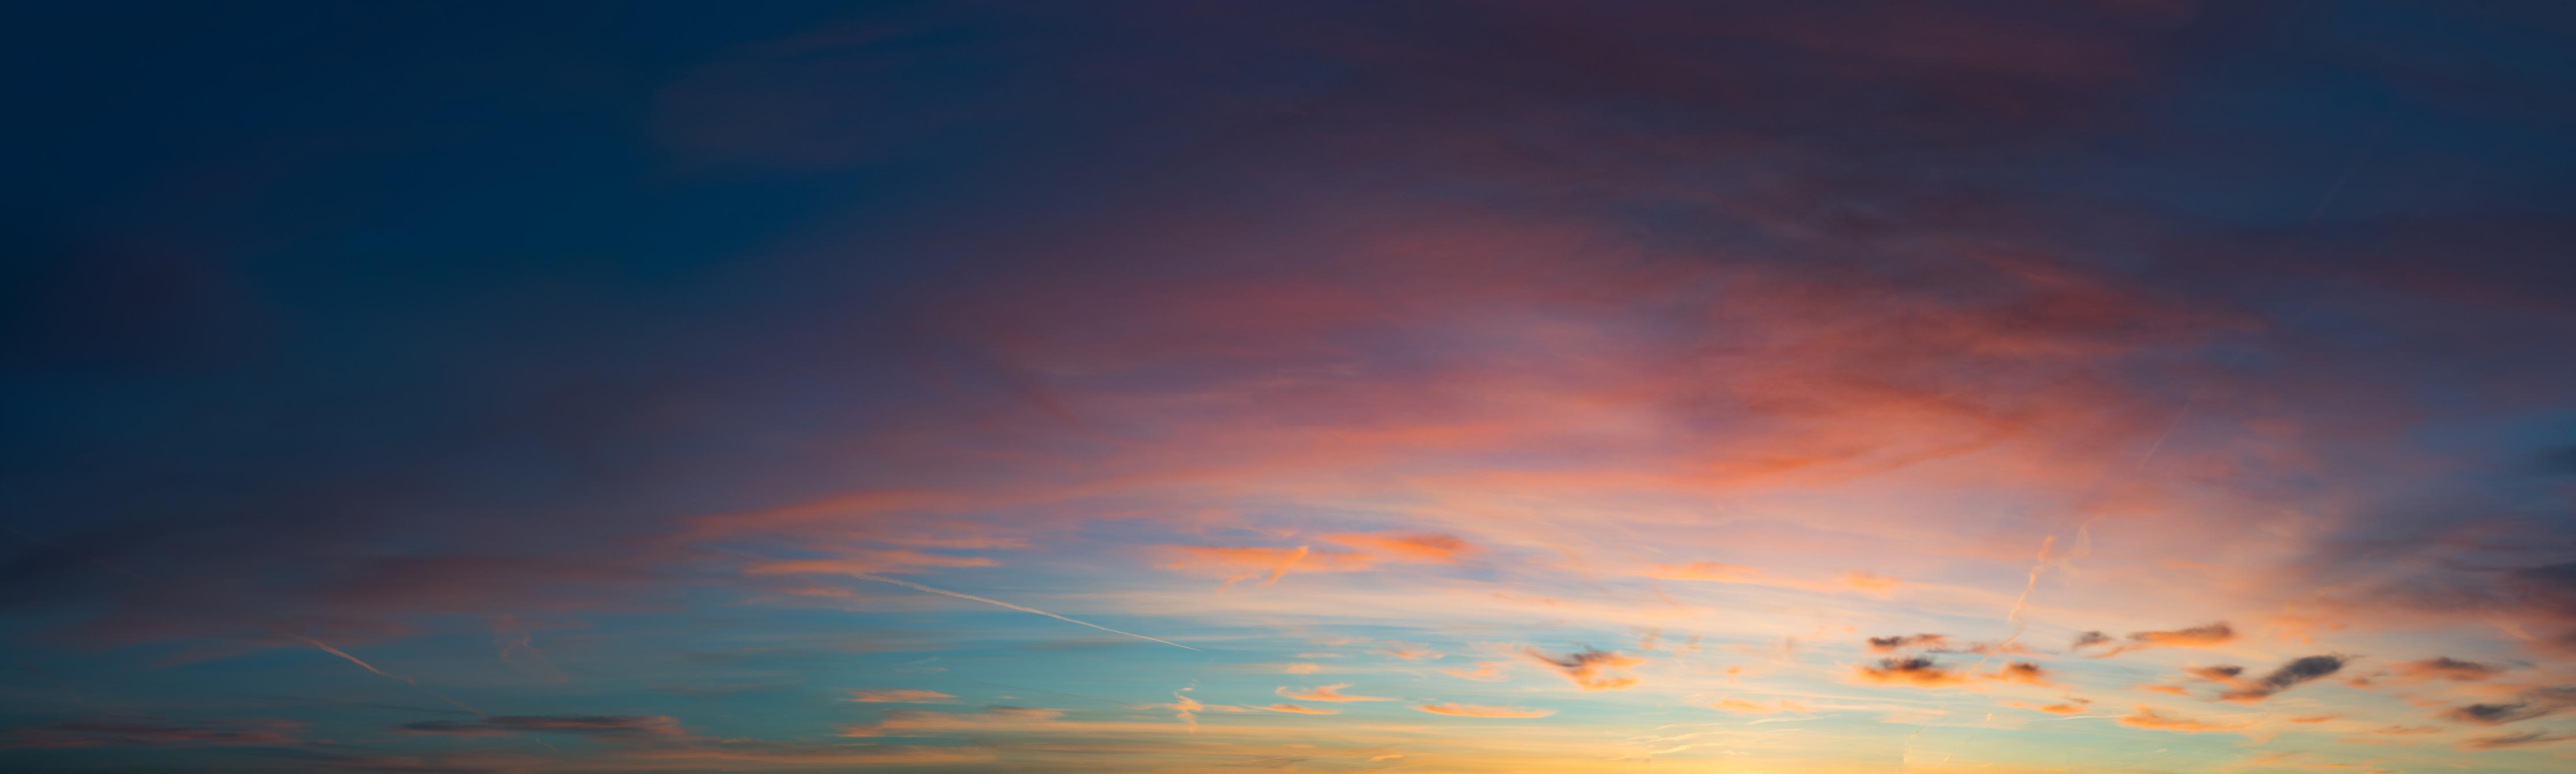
{"x":1921,"y":672}
{"x":1743,"y":707}
{"x":1302,"y":668}
{"x":1591,"y":669}
{"x":2202,"y":636}
{"x":1864,"y":580}
{"x":1328,"y":693}
{"x":1243,"y":562}
{"x":1409,"y":651}
{"x":1291,"y":708}
{"x":1408,"y":547}
{"x":2148,"y":717}
{"x":2446,"y":668}
{"x":2068,"y":707}
{"x":1704,"y":571}
{"x":1485,"y":672}
{"x":1479,"y":711}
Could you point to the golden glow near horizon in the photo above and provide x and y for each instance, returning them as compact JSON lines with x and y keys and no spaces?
{"x":2080,"y":386}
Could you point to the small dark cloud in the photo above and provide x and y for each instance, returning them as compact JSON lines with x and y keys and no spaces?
{"x":1899,"y":642}
{"x":2202,"y":636}
{"x":2446,"y":668}
{"x":1923,"y":672}
{"x":2531,"y":704}
{"x":152,"y":732}
{"x":2298,"y":671}
{"x":594,"y":726}
{"x":2514,"y":740}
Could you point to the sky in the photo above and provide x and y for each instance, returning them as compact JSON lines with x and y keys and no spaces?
{"x":1439,"y":388}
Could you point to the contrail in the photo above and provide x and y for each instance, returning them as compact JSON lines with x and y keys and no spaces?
{"x":372,"y":668}
{"x":912,"y":585}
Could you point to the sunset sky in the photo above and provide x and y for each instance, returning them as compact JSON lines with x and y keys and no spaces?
{"x":1158,"y":387}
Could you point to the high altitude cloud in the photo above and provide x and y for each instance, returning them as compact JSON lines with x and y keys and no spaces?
{"x":1705,"y":571}
{"x":1589,"y":669}
{"x":2149,"y":717}
{"x":1328,"y":693}
{"x":1405,"y":547}
{"x":1485,"y":672}
{"x":1294,"y":709}
{"x":1923,"y":672}
{"x":1481,"y":711}
{"x":1748,"y":707}
{"x":2068,"y":707}
{"x":1240,"y":563}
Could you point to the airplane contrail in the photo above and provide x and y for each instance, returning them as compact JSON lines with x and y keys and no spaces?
{"x":1021,"y":608}
{"x":372,"y":668}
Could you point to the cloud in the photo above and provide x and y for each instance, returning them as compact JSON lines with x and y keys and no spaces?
{"x":1327,"y":693}
{"x":594,"y":726}
{"x":130,"y":731}
{"x":2147,"y":717}
{"x":2538,"y":702}
{"x":1409,"y":651}
{"x":2068,"y":707}
{"x":1745,"y":707}
{"x":1923,"y":672}
{"x":1301,"y":668}
{"x":1431,"y":547}
{"x":1590,"y":669}
{"x":1705,"y":571}
{"x":1863,"y":580}
{"x":901,"y":696}
{"x":1892,"y":644}
{"x":2280,"y":679}
{"x":1481,"y":711}
{"x":2522,"y":739}
{"x":2446,"y":668}
{"x":867,"y":562}
{"x":1291,"y":708}
{"x":2202,"y":636}
{"x":1240,"y":563}
{"x":1485,"y":672}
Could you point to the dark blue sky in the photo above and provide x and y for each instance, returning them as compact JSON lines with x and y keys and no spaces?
{"x":673,"y":330}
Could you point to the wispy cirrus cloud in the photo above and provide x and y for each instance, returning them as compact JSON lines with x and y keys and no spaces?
{"x":2151,"y":718}
{"x":1327,"y":693}
{"x":900,"y":696}
{"x":1482,"y":711}
{"x":1590,"y":669}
